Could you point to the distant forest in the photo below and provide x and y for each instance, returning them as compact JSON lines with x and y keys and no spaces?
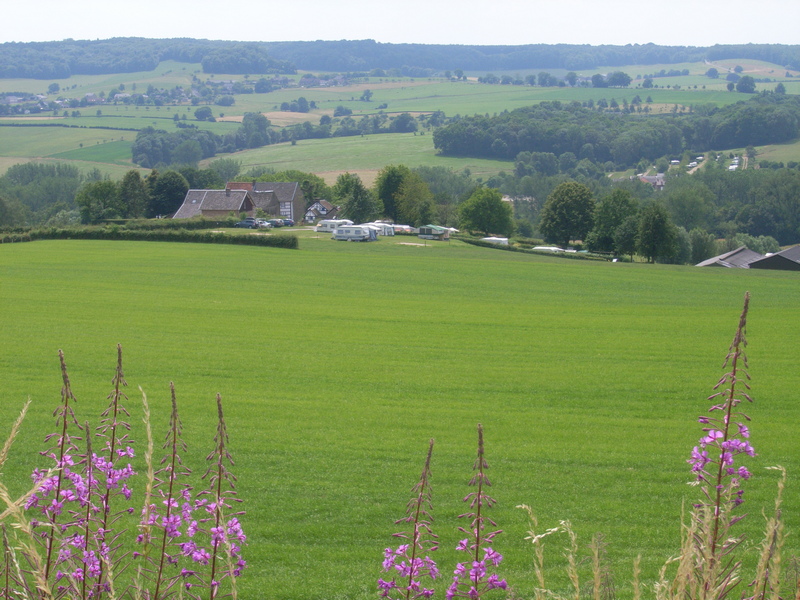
{"x":62,"y":59}
{"x":622,"y":138}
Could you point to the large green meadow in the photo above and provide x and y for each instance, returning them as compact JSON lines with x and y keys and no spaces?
{"x":337,"y":362}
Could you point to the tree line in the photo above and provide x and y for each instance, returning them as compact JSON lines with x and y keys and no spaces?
{"x":683,"y":223}
{"x":59,"y":195}
{"x":61,"y":59}
{"x":623,"y":138}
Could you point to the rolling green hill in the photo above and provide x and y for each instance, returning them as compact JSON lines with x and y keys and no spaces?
{"x":337,"y":362}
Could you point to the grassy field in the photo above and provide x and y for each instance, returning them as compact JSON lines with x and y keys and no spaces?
{"x":337,"y":362}
{"x":365,"y":156}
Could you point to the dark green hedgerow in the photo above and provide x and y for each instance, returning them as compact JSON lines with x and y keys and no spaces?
{"x":161,"y":224}
{"x":181,"y":235}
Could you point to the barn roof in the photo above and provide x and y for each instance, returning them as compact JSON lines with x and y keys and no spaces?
{"x":786,"y":260}
{"x":197,"y":201}
{"x":739,"y":258}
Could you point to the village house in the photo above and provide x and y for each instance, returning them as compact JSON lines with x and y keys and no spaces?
{"x":215,"y":204}
{"x":284,"y":200}
{"x":657,"y":181}
{"x":321,"y":209}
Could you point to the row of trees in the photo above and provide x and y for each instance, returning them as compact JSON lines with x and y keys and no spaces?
{"x":755,"y":202}
{"x":760,"y":203}
{"x":619,"y":224}
{"x":157,"y":147}
{"x":132,"y":197}
{"x":403,"y":196}
{"x":59,"y":195}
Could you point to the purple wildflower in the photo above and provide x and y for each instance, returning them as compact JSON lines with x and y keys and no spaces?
{"x":405,"y":560}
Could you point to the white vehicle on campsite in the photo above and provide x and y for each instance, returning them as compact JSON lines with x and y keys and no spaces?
{"x":331,"y":224}
{"x":548,"y":249}
{"x":502,"y":241}
{"x":382,"y":228}
{"x":354,"y":233}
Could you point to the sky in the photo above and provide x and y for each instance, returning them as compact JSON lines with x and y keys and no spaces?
{"x":482,"y":22}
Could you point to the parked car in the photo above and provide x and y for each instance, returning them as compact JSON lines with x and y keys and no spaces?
{"x":263,"y":224}
{"x":276,"y":222}
{"x":288,"y":222}
{"x":248,"y":223}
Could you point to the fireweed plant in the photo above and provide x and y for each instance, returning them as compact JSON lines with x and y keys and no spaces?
{"x":75,"y":544}
{"x":707,"y":566}
{"x":471,"y":579}
{"x":405,"y":562}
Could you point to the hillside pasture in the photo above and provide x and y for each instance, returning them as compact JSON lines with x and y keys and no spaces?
{"x":365,"y":155}
{"x":338,"y":361}
{"x":39,"y":142}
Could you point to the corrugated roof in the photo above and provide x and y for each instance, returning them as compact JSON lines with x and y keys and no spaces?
{"x":739,"y":258}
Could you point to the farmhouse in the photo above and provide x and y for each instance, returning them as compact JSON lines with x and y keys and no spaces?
{"x":283,"y":199}
{"x":785,"y":260}
{"x":741,"y":258}
{"x":657,"y":181}
{"x":215,"y":204}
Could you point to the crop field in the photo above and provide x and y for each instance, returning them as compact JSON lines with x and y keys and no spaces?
{"x":111,"y":152}
{"x":337,"y":362}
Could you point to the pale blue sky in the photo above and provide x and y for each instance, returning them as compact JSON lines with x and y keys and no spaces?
{"x":698,"y":23}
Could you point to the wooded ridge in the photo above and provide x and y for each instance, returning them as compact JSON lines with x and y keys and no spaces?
{"x":62,"y":59}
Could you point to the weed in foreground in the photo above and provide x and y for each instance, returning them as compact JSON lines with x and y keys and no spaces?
{"x":75,"y":544}
{"x":405,"y":563}
{"x":708,"y":566}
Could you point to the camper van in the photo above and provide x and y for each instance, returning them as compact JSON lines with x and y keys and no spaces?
{"x":331,"y":224}
{"x":354,"y":233}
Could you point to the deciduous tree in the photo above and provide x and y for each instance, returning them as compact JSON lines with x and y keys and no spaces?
{"x":567,"y":214}
{"x":387,"y":187}
{"x":657,"y":236}
{"x":609,"y":213}
{"x":358,"y":203}
{"x":133,"y":195}
{"x":486,"y":212}
{"x":746,"y":85}
{"x":98,"y":200}
{"x":168,"y":192}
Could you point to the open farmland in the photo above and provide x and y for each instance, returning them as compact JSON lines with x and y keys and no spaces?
{"x":337,"y":362}
{"x":397,"y":94}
